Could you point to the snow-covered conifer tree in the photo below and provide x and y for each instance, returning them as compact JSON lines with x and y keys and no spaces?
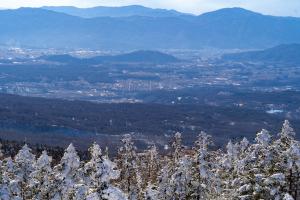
{"x":153,"y":162}
{"x":148,"y":168}
{"x":66,"y":174}
{"x":25,"y":162}
{"x":177,"y":148}
{"x":101,"y":170}
{"x":7,"y":182}
{"x":286,"y":158}
{"x":202,"y":176}
{"x":287,"y":131}
{"x":181,"y":178}
{"x":40,"y":179}
{"x":253,"y":164}
{"x":93,"y":166}
{"x":127,"y":162}
{"x":164,"y":189}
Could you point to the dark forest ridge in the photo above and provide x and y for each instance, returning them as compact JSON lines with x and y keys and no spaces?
{"x":225,"y":28}
{"x":58,"y":122}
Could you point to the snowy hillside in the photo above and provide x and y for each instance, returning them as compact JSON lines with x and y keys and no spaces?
{"x":266,"y":169}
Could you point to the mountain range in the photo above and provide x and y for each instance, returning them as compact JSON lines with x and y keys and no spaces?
{"x":133,"y":57}
{"x":286,"y":53}
{"x":225,"y":28}
{"x":125,"y":11}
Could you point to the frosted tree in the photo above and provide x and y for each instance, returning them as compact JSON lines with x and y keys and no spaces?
{"x":287,"y":131}
{"x":244,"y":144}
{"x":148,"y":167}
{"x":164,"y":189}
{"x":139,"y":184}
{"x":109,"y":171}
{"x":177,"y":148}
{"x":181,"y":178}
{"x":93,"y":167}
{"x":101,"y":171}
{"x":25,"y":162}
{"x":226,"y":170}
{"x":151,"y":193}
{"x":6,"y":175}
{"x":231,"y":156}
{"x":153,"y":164}
{"x":40,"y":178}
{"x":172,"y":176}
{"x":254,"y":164}
{"x":243,"y":157}
{"x":262,"y":149}
{"x":240,"y":173}
{"x":202,"y":184}
{"x":7,"y":182}
{"x":263,"y":173}
{"x":66,"y":174}
{"x":127,"y":162}
{"x":286,"y":158}
{"x":292,"y":169}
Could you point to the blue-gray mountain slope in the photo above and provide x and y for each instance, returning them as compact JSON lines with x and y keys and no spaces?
{"x":287,"y":53}
{"x":226,"y":28}
{"x":125,"y":11}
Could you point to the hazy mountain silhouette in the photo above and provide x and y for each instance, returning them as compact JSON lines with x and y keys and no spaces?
{"x":137,"y":56}
{"x":226,"y":28}
{"x":287,"y":53}
{"x":125,"y":11}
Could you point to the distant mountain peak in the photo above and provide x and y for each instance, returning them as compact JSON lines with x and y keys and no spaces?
{"x":234,"y":11}
{"x":35,"y":12}
{"x":132,"y":6}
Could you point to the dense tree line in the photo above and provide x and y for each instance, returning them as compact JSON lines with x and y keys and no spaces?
{"x":27,"y":117}
{"x":269,"y":168}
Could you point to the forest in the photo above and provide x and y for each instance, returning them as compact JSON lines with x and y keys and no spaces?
{"x":267,"y":168}
{"x":56,"y":122}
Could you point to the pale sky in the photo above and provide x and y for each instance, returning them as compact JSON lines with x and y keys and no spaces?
{"x":272,"y":7}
